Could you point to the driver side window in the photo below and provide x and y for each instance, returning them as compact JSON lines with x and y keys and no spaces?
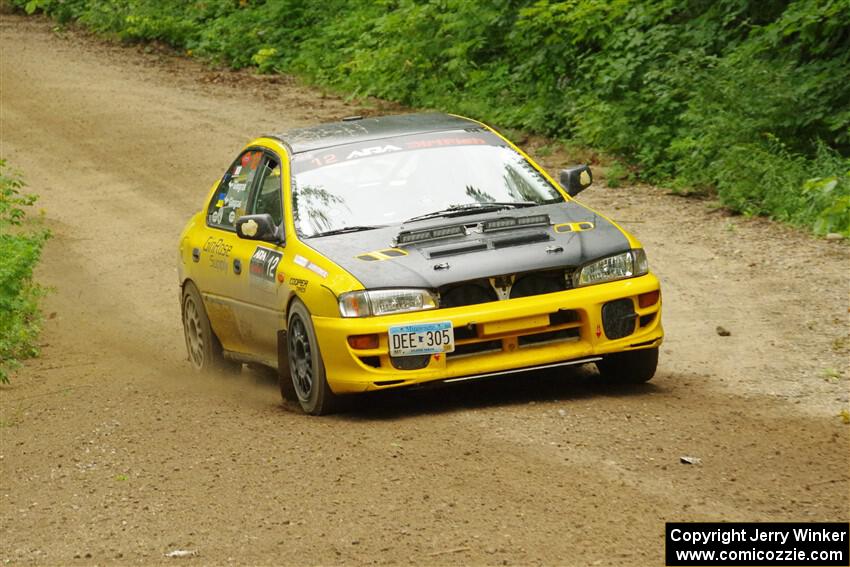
{"x":231,"y":199}
{"x":267,"y":197}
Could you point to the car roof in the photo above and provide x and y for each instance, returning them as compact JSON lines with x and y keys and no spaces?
{"x":358,"y":129}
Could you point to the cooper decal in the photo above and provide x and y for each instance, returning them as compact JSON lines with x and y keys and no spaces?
{"x":299,"y":284}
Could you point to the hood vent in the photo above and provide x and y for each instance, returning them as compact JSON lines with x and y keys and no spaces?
{"x":521,"y":239}
{"x":453,"y":250}
{"x":481,"y":245}
{"x":436,"y":233}
{"x":510,"y":223}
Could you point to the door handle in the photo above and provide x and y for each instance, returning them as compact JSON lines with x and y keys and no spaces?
{"x":196,"y":254}
{"x":237,"y":266}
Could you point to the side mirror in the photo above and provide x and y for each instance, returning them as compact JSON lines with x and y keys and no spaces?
{"x":258,"y":227}
{"x":576,"y":179}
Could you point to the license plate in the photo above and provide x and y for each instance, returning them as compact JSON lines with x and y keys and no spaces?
{"x":424,"y":338}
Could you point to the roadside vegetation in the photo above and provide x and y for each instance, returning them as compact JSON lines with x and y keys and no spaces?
{"x":21,"y":240}
{"x":747,"y":99}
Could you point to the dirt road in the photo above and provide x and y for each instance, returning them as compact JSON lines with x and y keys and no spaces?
{"x":113,"y":451}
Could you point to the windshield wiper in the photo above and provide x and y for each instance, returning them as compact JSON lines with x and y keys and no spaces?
{"x":346,"y":229}
{"x":473,"y":208}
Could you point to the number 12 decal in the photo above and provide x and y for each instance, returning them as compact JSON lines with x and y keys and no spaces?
{"x":264,"y":263}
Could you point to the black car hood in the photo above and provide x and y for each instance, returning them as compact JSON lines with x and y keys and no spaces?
{"x":476,"y":255}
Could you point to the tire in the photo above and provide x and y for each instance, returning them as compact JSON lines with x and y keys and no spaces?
{"x":632,"y":367}
{"x":202,"y":346}
{"x":306,"y":369}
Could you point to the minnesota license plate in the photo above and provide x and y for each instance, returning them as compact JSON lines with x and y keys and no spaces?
{"x":424,"y":338}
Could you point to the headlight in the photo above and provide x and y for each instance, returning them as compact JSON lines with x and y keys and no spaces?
{"x":626,"y":265}
{"x":385,"y":301}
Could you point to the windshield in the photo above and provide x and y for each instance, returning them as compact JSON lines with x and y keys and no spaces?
{"x":392,"y":180}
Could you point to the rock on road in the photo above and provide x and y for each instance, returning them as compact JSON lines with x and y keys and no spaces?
{"x":113,"y":451}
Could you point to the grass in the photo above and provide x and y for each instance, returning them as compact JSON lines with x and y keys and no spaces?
{"x":21,"y":241}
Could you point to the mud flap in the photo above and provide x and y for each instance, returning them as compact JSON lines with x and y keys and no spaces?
{"x":287,"y":391}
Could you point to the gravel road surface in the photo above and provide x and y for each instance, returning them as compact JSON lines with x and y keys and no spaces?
{"x":114,"y":452}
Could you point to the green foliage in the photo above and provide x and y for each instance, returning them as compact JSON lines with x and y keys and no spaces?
{"x":830,"y":203}
{"x":746,"y":97}
{"x":20,"y":248}
{"x":616,"y":175}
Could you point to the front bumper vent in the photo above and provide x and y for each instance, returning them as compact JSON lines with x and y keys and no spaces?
{"x":410,"y":362}
{"x":618,"y":318}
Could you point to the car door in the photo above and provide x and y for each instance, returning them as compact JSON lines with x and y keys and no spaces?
{"x":223,"y":256}
{"x":261,"y":295}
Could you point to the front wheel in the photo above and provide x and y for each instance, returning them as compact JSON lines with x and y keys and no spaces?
{"x":306,"y":369}
{"x":631,"y":367}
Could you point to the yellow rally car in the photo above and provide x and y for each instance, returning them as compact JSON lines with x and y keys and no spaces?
{"x":385,"y":252}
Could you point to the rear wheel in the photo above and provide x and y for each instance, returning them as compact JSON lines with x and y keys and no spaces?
{"x":306,"y":369}
{"x":632,"y":367}
{"x":204,"y":348}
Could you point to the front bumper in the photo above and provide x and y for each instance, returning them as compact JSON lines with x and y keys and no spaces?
{"x":493,"y":337}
